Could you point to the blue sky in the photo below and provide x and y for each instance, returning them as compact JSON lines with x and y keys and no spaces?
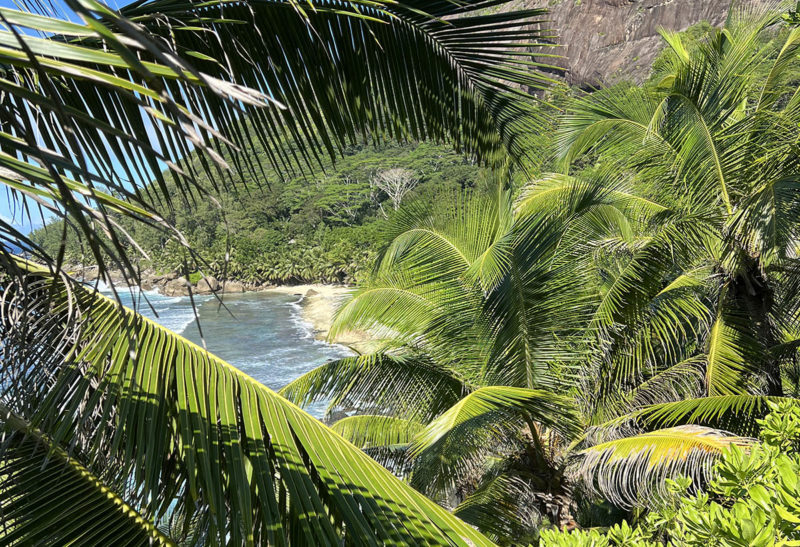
{"x":10,"y":208}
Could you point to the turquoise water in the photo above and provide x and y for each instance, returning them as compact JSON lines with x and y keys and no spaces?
{"x":262,"y":334}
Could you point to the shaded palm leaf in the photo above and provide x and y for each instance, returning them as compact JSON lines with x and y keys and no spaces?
{"x":502,"y":509}
{"x":50,"y":498}
{"x":333,"y":75}
{"x":484,"y":424}
{"x":550,"y":410}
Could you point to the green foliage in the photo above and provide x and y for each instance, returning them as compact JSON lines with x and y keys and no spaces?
{"x":278,"y":228}
{"x":753,"y":499}
{"x":652,"y":281}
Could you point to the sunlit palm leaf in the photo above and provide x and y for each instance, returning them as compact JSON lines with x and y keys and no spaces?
{"x":736,"y":413}
{"x":185,"y":431}
{"x":367,"y":431}
{"x":631,"y":471}
{"x":404,"y":385}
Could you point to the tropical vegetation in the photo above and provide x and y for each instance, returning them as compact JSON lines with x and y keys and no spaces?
{"x":307,"y":227}
{"x":116,"y":430}
{"x":752,"y":499}
{"x":569,"y":352}
{"x":595,"y":344}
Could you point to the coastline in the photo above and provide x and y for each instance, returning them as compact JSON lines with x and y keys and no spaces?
{"x":318,"y":304}
{"x":317,"y":301}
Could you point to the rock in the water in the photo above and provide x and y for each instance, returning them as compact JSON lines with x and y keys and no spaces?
{"x":311,"y":292}
{"x":233,"y":287}
{"x":113,"y":277}
{"x":86,"y":274}
{"x":207,"y":285}
{"x":176,"y":287}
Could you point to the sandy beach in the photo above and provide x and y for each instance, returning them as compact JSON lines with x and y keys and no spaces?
{"x":319,"y":305}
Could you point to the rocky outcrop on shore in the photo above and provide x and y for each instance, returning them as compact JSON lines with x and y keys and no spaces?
{"x":170,"y":283}
{"x":319,"y":304}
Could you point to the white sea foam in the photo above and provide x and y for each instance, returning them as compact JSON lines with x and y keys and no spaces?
{"x":305,"y":327}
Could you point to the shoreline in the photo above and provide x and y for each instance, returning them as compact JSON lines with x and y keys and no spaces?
{"x":318,"y":303}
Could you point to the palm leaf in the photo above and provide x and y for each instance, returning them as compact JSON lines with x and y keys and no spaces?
{"x":367,"y":431}
{"x":301,"y":80}
{"x":501,"y":508}
{"x":185,"y":431}
{"x":409,"y":69}
{"x":50,"y":498}
{"x":631,"y":471}
{"x":732,"y":350}
{"x":734,"y":412}
{"x":548,"y":409}
{"x":403,"y":385}
{"x":484,"y":424}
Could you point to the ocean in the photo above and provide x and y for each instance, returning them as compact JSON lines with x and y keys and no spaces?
{"x":261,"y":333}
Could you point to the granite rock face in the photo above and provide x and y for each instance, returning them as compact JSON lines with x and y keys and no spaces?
{"x":605,"y":41}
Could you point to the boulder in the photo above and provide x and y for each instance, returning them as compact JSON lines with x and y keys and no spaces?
{"x":88,"y":273}
{"x":207,"y":285}
{"x":311,"y":292}
{"x":176,"y":287}
{"x":233,"y":287}
{"x":605,"y":41}
{"x":113,"y":277}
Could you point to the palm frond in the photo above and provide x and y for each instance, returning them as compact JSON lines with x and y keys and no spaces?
{"x":50,"y":498}
{"x":399,"y":70}
{"x":180,"y":430}
{"x":568,"y":189}
{"x":410,"y":386}
{"x":100,"y":108}
{"x":631,"y":471}
{"x":369,"y":431}
{"x":736,"y":413}
{"x":550,"y":410}
{"x":501,"y":508}
{"x":484,"y":423}
{"x":732,"y":350}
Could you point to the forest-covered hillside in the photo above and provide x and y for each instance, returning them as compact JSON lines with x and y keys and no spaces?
{"x":302,"y":227}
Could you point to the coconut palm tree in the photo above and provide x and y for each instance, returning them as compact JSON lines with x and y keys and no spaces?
{"x":115,"y":429}
{"x":654,"y":289}
{"x":705,"y":316}
{"x":474,"y":392}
